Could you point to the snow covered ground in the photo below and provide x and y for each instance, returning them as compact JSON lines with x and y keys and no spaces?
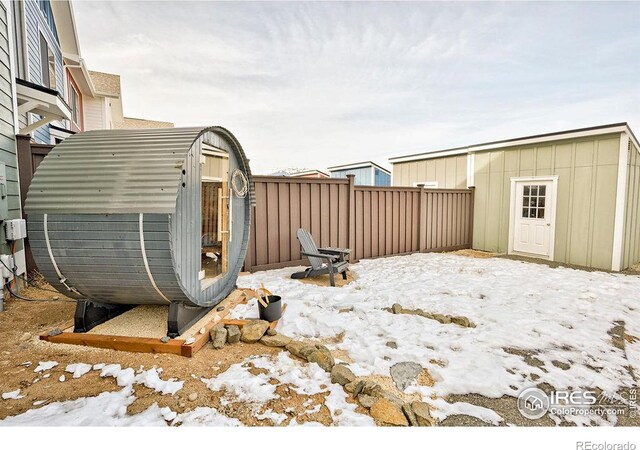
{"x":561,"y":315}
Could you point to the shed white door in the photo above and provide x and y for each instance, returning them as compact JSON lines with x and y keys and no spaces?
{"x":533,"y":217}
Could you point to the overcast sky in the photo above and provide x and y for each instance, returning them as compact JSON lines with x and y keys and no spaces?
{"x":320,"y":84}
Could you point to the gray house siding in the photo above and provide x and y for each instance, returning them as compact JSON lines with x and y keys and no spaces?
{"x":7,"y":130}
{"x":36,"y":24}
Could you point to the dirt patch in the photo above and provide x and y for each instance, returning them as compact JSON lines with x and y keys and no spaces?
{"x":474,"y":253}
{"x":23,"y":322}
{"x":323,"y":280}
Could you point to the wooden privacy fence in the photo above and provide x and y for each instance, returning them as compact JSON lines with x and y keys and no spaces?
{"x":372,"y":221}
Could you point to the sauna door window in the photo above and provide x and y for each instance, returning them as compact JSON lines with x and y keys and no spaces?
{"x":215,"y":215}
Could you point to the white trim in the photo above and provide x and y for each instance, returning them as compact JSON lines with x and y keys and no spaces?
{"x":360,"y":165}
{"x":144,"y":257}
{"x":595,"y":131}
{"x":61,"y":278}
{"x":555,"y":137}
{"x":428,"y":155}
{"x":512,"y":213}
{"x":426,"y":184}
{"x":211,"y":179}
{"x":621,"y":194}
{"x":471,"y":170}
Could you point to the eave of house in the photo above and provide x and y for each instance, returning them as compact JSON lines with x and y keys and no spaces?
{"x":527,"y":140}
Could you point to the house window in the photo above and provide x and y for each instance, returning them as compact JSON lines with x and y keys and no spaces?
{"x":74,"y":103}
{"x":426,"y":184}
{"x":534,"y":201}
{"x":47,"y":64}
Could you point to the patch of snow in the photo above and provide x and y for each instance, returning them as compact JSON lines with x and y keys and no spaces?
{"x":45,"y":365}
{"x":305,"y":379}
{"x":62,"y":378}
{"x":78,"y":369}
{"x":206,"y":417}
{"x":443,"y":409}
{"x":149,"y":378}
{"x":13,"y":395}
{"x":274,"y":417}
{"x":99,"y":366}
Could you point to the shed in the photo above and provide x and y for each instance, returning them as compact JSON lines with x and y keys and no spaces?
{"x":129,"y":217}
{"x":571,"y":196}
{"x":367,"y":173}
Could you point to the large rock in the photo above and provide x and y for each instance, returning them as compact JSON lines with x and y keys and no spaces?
{"x":367,"y":401}
{"x":323,"y":358}
{"x":351,"y":387}
{"x":342,"y":375}
{"x":307,"y":349}
{"x":405,"y":373}
{"x":254,"y":330}
{"x":462,"y":321}
{"x":218,"y":336}
{"x":408,"y":412}
{"x":295,"y":347}
{"x":276,"y":340}
{"x":423,"y":414}
{"x":388,"y":413}
{"x":233,"y":334}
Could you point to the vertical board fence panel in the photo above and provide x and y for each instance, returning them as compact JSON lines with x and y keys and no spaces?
{"x":372,"y":221}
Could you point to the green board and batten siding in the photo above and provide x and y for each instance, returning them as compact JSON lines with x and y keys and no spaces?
{"x":587,"y":173}
{"x":631,"y":239}
{"x":7,"y":129}
{"x":449,"y":171}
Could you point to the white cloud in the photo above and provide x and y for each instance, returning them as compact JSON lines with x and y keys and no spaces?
{"x":317,"y":84}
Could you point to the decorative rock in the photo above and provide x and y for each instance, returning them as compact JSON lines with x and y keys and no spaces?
{"x":350,"y":387}
{"x":306,"y":350}
{"x":218,"y":336}
{"x":358,"y":388}
{"x":341,"y":374}
{"x":233,"y":334}
{"x":396,"y":308}
{"x":193,"y":397}
{"x":253,"y":331}
{"x":323,"y":358}
{"x":411,"y":417}
{"x":370,"y":388}
{"x":25,"y":337}
{"x":277,"y":340}
{"x":391,"y":344}
{"x":423,"y":414}
{"x":271,"y":332}
{"x":441,"y":318}
{"x":386,"y":412}
{"x":220,"y":308}
{"x":462,"y":321}
{"x":367,"y":401}
{"x":404,"y":373}
{"x":165,"y":339}
{"x":295,"y":348}
{"x":55,"y":297}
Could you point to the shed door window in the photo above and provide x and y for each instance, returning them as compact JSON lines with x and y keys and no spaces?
{"x":534,"y":198}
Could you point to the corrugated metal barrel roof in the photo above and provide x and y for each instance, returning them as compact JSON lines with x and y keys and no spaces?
{"x":112,"y":171}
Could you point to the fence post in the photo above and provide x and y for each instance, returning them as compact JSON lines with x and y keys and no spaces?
{"x":422,"y":220}
{"x":473,"y":196}
{"x":352,"y":216}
